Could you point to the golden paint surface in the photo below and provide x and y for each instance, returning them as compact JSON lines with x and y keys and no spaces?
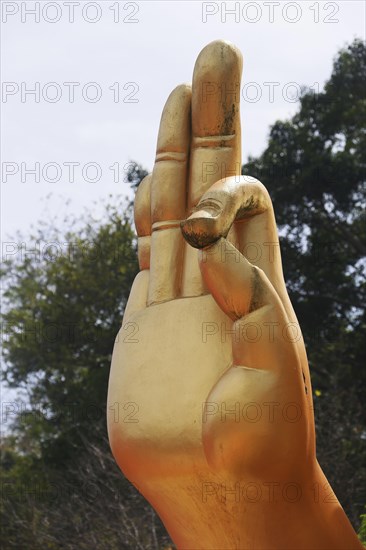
{"x":210,"y":410}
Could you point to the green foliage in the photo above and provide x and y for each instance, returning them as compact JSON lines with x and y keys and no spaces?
{"x":314,"y":169}
{"x":84,"y":505}
{"x":362,"y":531}
{"x":63,"y":307}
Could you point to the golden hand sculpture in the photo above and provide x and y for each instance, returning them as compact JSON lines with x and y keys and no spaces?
{"x":210,"y":408}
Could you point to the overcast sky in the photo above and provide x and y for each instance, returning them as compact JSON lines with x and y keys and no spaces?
{"x":123,"y":59}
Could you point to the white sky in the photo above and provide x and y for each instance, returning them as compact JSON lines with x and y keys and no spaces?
{"x":154,"y":53}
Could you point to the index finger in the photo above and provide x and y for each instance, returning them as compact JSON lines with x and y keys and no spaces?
{"x":216,"y":139}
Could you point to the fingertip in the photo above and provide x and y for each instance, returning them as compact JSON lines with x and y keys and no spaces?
{"x":180,"y":92}
{"x":212,"y":217}
{"x":175,"y":123}
{"x":200,"y":230}
{"x":216,"y":92}
{"x":221,"y":49}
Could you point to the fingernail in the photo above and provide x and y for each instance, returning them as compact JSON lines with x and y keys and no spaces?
{"x":200,"y":229}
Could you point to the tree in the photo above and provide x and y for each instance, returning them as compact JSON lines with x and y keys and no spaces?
{"x":314,"y":167}
{"x":63,"y":304}
{"x":64,"y":298}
